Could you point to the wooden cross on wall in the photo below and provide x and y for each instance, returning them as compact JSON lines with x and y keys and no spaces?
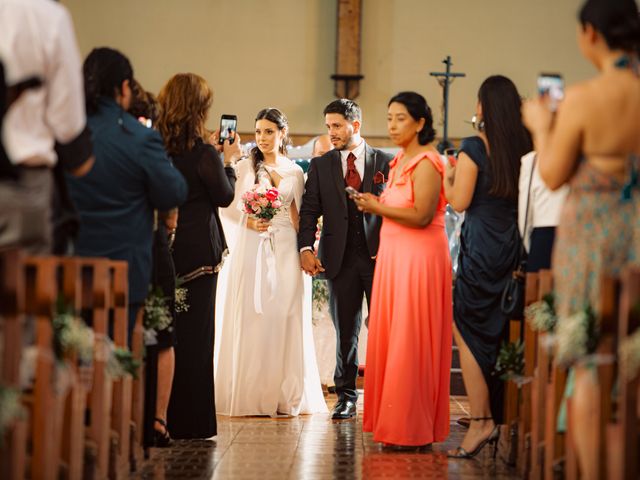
{"x":348,"y":39}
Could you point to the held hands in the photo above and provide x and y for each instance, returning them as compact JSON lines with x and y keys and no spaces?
{"x":310,"y":264}
{"x":258,"y":224}
{"x":232,"y":151}
{"x":366,"y":202}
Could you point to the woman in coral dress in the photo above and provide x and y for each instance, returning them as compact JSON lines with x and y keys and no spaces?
{"x":406,"y":395}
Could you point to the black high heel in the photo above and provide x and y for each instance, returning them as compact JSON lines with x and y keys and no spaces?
{"x":493,"y":438}
{"x":161,"y":439}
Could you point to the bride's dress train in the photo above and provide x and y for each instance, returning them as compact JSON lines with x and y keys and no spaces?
{"x":266,"y":362}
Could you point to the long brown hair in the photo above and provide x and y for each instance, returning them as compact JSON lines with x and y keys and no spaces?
{"x":185,"y":102}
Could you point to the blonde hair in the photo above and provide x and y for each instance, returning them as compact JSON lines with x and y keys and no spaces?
{"x":185,"y":102}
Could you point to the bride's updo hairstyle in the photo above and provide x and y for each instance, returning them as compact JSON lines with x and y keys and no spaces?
{"x":274,"y":116}
{"x":618,"y":21}
{"x":418,"y":108}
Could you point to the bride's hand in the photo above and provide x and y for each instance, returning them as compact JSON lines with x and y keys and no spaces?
{"x":258,"y":224}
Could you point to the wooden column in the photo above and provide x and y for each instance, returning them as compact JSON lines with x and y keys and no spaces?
{"x":348,"y":40}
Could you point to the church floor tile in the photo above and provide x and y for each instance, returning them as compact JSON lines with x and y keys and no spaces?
{"x":313,"y":447}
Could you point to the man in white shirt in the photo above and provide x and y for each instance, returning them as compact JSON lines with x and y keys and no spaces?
{"x":45,"y":126}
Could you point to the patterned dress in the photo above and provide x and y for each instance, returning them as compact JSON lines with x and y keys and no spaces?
{"x":599,"y":233}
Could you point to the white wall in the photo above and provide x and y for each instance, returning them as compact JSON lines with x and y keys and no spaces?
{"x":281,"y":52}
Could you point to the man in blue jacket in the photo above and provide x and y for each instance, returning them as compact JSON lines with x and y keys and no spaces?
{"x":131,"y":177}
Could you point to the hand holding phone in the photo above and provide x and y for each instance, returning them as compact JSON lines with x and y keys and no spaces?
{"x":228,"y":127}
{"x":352,"y":192}
{"x":551,"y":87}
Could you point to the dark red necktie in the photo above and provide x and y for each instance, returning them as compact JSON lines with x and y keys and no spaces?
{"x":352,"y":178}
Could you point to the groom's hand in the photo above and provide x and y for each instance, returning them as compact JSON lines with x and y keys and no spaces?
{"x":310,"y":263}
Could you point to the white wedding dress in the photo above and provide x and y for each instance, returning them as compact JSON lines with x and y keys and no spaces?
{"x":266,"y":362}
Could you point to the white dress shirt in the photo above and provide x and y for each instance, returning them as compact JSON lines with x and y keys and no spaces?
{"x":37,"y":38}
{"x":545,"y":205}
{"x":359,"y":152}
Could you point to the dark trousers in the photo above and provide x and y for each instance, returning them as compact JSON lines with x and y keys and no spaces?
{"x":346,"y":291}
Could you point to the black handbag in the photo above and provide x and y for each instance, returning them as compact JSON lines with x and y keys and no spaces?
{"x":512,"y":301}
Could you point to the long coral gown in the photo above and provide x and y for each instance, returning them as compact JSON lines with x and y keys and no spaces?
{"x":406,"y":391}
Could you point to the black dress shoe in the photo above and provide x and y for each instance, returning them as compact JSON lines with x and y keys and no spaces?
{"x":344,"y":409}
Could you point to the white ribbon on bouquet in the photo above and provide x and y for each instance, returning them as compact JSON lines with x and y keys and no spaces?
{"x":266,"y":251}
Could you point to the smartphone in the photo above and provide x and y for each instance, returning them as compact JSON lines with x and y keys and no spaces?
{"x":228,"y":124}
{"x":551,"y":85}
{"x":352,"y":191}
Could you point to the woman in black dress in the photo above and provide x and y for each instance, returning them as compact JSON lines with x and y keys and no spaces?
{"x":198,"y":249}
{"x":484,"y":184}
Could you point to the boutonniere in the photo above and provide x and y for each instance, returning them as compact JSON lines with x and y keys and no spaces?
{"x":379,"y":178}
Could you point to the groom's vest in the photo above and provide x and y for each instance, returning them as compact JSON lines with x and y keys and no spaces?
{"x":355,"y":233}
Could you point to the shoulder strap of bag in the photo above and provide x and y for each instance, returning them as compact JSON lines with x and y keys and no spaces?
{"x":526,"y":212}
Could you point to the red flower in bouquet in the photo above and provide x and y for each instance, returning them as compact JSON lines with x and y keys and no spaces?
{"x":262,"y":202}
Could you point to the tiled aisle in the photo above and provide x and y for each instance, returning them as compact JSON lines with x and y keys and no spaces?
{"x":312,"y":447}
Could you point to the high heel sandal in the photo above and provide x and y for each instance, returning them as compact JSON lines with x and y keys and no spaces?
{"x":492,"y":439}
{"x":161,"y":439}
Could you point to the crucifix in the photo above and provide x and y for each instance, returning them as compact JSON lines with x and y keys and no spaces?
{"x":445,"y":79}
{"x":347,"y":77}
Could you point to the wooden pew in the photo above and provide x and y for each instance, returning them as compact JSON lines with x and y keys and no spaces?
{"x":532,"y":286}
{"x":96,"y":298}
{"x":511,"y":403}
{"x":74,"y":442}
{"x":605,"y":374}
{"x":13,"y":453}
{"x":538,"y":388}
{"x":623,"y":430}
{"x":554,"y":441}
{"x":47,"y":404}
{"x":123,"y":387}
{"x":137,"y":415}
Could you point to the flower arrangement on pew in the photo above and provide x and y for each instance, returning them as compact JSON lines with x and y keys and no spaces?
{"x":121,"y":362}
{"x":181,"y":296}
{"x":157,"y":315}
{"x":71,"y":335}
{"x":541,"y":315}
{"x":510,"y":362}
{"x":10,"y":408}
{"x":576,"y":337}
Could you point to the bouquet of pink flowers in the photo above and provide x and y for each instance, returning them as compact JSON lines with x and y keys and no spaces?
{"x":262,"y":202}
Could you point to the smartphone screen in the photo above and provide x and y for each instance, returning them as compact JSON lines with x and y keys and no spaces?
{"x":228,"y":124}
{"x":551,"y":85}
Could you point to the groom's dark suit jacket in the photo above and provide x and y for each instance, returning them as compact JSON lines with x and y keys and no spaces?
{"x":325,"y":196}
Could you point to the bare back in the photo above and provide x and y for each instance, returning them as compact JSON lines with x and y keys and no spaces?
{"x":609,"y":117}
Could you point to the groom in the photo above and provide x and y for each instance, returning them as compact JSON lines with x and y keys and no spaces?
{"x":349,"y":240}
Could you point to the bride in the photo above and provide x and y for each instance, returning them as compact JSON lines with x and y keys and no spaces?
{"x":266,"y":362}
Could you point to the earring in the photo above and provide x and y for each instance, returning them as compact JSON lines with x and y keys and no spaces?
{"x":476,"y":123}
